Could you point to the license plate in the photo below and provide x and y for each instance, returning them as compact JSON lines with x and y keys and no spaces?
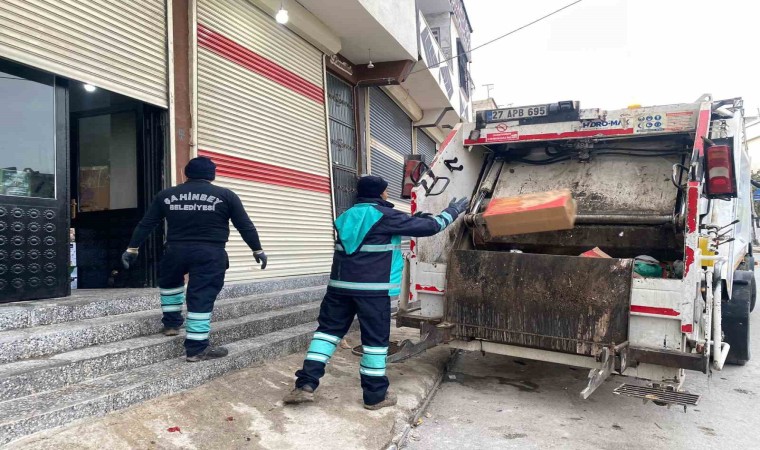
{"x":523,"y":112}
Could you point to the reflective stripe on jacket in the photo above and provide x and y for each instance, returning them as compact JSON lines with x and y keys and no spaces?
{"x":368,"y":259}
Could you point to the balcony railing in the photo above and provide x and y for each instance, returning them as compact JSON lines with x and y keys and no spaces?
{"x":445,"y":77}
{"x":434,"y":58}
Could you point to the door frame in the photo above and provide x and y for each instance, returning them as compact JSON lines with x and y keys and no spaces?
{"x":57,"y":208}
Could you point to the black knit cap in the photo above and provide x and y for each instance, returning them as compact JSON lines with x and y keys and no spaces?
{"x":370,"y":186}
{"x":201,"y":168}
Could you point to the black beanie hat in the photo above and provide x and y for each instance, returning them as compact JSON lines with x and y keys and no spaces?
{"x":201,"y":168}
{"x":370,"y":186}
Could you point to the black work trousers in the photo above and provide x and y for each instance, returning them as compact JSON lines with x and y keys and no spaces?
{"x":205,"y":266}
{"x":336,"y":315}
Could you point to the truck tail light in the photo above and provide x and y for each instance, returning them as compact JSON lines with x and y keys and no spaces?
{"x":414,"y":168}
{"x":721,"y":178}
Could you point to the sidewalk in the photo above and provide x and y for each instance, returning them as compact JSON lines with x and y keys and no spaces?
{"x":244,"y":409}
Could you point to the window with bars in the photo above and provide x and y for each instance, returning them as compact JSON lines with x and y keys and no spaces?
{"x":340,"y":103}
{"x":464,"y":73}
{"x":436,"y":31}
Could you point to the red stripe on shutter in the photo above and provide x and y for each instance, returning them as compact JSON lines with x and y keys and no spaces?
{"x":245,"y":169}
{"x":232,"y":51}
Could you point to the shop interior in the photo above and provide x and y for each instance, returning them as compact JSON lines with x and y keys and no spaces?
{"x":115,"y":168}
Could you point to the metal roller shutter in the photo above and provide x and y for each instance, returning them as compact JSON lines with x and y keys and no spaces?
{"x":261,"y":117}
{"x":426,"y":146}
{"x":119,"y":46}
{"x":391,"y":140}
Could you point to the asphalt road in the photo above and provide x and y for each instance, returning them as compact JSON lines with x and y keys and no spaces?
{"x":494,"y":401}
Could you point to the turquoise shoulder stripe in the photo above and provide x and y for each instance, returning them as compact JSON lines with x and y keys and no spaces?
{"x":354,"y":225}
{"x":397,"y":268}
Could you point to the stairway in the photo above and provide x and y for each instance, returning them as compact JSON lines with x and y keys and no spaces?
{"x":100,"y":351}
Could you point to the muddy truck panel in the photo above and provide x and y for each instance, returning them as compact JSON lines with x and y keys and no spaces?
{"x":558,"y":303}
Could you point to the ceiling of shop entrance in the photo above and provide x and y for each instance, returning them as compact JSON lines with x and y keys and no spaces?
{"x":82,"y":100}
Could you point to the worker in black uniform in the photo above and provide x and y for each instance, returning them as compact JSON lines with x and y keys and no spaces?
{"x":366,"y":272}
{"x":198,"y":215}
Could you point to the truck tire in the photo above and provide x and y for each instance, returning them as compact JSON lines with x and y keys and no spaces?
{"x":735,"y":318}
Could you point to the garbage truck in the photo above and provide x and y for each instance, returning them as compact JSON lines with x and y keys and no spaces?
{"x":662,"y":195}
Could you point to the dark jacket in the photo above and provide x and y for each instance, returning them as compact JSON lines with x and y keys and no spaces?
{"x":197,"y":211}
{"x":367,"y":259}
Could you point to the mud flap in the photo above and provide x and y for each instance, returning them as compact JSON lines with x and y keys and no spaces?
{"x":560,"y":303}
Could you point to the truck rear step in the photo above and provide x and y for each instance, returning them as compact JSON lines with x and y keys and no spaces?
{"x":658,"y":395}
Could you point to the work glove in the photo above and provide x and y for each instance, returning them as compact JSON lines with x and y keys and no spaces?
{"x":422,"y":215}
{"x":459,"y":205}
{"x":260,"y":257}
{"x":129,"y":258}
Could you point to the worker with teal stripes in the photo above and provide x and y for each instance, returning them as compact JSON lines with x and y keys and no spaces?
{"x":198,"y":216}
{"x":366,"y":272}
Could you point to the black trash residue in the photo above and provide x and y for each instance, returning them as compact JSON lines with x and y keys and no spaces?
{"x":515,"y":436}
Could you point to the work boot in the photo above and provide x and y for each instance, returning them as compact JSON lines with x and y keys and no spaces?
{"x":209,"y":353}
{"x":170,"y":331}
{"x":299,"y":395}
{"x":390,"y":400}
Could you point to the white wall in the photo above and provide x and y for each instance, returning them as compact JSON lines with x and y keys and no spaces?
{"x":399,"y":18}
{"x":442,"y":21}
{"x":448,"y":42}
{"x":480,"y":105}
{"x":754,"y":152}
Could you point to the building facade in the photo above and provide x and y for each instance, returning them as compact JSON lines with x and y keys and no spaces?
{"x":106,"y":107}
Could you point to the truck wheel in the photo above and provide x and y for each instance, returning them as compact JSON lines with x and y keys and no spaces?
{"x":735,"y":318}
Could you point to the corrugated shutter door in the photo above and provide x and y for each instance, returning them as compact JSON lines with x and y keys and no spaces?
{"x":425,"y":146}
{"x":391,"y":133}
{"x":119,"y":46}
{"x":261,"y":117}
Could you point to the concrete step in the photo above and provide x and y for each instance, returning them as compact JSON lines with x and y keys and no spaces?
{"x":100,"y":396}
{"x":88,"y":304}
{"x":41,"y":341}
{"x":30,"y":377}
